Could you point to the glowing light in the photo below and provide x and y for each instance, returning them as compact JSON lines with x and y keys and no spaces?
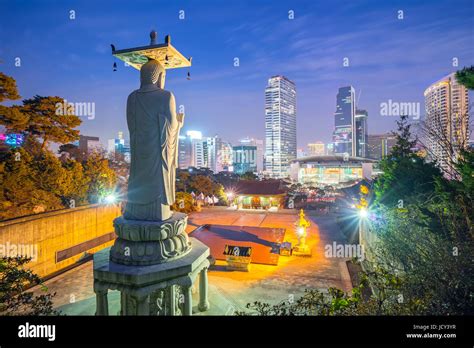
{"x":194,"y":134}
{"x":363,"y":213}
{"x":110,"y":199}
{"x":300,"y":230}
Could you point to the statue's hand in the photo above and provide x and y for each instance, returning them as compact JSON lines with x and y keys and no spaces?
{"x":180,"y":117}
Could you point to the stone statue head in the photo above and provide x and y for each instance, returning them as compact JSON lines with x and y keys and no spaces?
{"x":152,"y":73}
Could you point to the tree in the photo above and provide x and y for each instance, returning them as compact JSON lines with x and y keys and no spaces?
{"x":45,"y":122}
{"x":466,"y":77}
{"x":201,"y":183}
{"x":405,"y":175}
{"x":8,"y":88}
{"x":404,"y":139}
{"x":73,"y":151}
{"x":248,"y":176}
{"x":102,"y":178}
{"x":20,"y":192}
{"x":182,"y":180}
{"x":14,"y":300}
{"x":183,"y":203}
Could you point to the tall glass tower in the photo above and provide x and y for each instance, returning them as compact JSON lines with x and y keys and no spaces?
{"x":344,"y":122}
{"x":361,"y":133}
{"x":280,"y":126}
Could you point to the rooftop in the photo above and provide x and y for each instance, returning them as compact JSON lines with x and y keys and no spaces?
{"x":333,"y":158}
{"x":264,"y":187}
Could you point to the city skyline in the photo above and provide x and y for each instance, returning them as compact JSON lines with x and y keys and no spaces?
{"x":381,"y":71}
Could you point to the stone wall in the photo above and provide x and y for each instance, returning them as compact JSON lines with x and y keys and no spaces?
{"x":59,"y":239}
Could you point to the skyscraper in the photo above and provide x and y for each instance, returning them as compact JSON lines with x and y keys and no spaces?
{"x":244,"y":159}
{"x":280,"y":126}
{"x":380,"y":145}
{"x":361,"y":133}
{"x":260,"y":150}
{"x":447,"y":120}
{"x":187,"y":148}
{"x":88,"y":144}
{"x":119,"y":145}
{"x":344,"y":122}
{"x":224,"y":157}
{"x":185,"y":152}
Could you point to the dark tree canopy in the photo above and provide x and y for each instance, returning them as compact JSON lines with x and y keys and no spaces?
{"x":466,"y":77}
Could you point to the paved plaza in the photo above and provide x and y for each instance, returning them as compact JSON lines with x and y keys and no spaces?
{"x":231,"y":290}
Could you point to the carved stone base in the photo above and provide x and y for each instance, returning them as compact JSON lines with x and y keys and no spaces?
{"x":144,"y":243}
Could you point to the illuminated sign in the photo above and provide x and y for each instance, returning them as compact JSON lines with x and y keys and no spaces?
{"x":12,"y":139}
{"x":237,"y":251}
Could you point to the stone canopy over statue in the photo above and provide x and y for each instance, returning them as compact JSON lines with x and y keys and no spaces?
{"x":154,"y":132}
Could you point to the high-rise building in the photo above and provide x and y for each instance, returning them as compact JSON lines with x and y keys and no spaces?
{"x":119,"y":145}
{"x":213,"y":147}
{"x":361,"y":133}
{"x":344,"y":122}
{"x":447,"y":118}
{"x":380,"y":145}
{"x":244,"y":159}
{"x":200,"y":153}
{"x":190,"y":150}
{"x":225,"y":157}
{"x":316,"y":149}
{"x":185,"y":152}
{"x":280,"y":126}
{"x":88,"y":144}
{"x":260,"y":150}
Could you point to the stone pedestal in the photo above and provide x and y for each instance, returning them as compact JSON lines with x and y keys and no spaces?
{"x":301,"y":250}
{"x":154,"y":266}
{"x":150,"y":242}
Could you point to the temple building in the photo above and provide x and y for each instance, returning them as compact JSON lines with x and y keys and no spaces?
{"x":266,"y":194}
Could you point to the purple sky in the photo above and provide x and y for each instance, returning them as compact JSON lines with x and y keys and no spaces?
{"x":389,"y":58}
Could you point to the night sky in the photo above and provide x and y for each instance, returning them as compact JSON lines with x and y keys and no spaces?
{"x":389,"y":58}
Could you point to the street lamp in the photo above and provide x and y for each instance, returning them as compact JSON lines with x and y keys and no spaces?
{"x":110,"y":198}
{"x":363,"y":213}
{"x":230,"y":195}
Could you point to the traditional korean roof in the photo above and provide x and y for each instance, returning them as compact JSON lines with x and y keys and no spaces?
{"x":264,"y":187}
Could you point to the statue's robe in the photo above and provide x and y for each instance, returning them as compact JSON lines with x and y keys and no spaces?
{"x":154,"y":133}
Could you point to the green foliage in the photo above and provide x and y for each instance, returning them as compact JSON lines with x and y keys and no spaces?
{"x":248,"y":176}
{"x":466,"y":77}
{"x":405,"y":175}
{"x":204,"y":184}
{"x":14,"y":280}
{"x":32,"y":178}
{"x":420,"y":262}
{"x":182,"y":180}
{"x":429,"y":242}
{"x":101,"y":177}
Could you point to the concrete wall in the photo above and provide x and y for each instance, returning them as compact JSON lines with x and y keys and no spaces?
{"x":57,"y":236}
